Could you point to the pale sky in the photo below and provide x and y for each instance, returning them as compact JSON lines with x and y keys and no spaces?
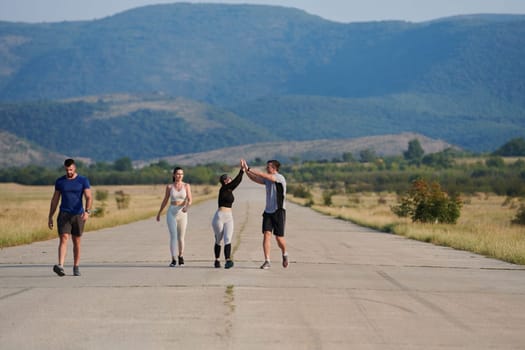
{"x":336,"y":10}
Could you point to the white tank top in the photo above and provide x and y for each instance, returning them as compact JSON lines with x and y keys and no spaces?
{"x":178,"y":196}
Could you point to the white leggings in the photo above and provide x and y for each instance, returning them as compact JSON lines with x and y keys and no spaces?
{"x":177,"y":221}
{"x":222,"y":224}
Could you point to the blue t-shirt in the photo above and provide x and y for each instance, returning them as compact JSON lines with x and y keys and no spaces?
{"x":72,"y":192}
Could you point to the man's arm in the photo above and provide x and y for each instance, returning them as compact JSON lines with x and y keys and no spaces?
{"x":252,"y":175}
{"x":260,"y":175}
{"x":53,"y":208}
{"x":89,"y":201}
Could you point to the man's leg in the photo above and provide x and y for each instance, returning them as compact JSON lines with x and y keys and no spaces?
{"x":62,"y":248}
{"x":281,"y":242}
{"x":76,"y":249}
{"x":76,"y":254}
{"x":267,"y":245}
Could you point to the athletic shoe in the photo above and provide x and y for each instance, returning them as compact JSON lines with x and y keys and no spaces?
{"x":285,"y":261}
{"x":181,"y":261}
{"x":76,"y":271}
{"x":217,"y":264}
{"x":229,"y":264}
{"x":59,"y":270}
{"x":173,"y":263}
{"x":266,"y":265}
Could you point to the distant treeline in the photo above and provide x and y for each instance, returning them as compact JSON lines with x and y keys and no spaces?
{"x":494,"y":174}
{"x":121,"y":172}
{"x":395,"y":175}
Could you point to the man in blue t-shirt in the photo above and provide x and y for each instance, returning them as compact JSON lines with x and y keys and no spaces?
{"x":72,"y":216}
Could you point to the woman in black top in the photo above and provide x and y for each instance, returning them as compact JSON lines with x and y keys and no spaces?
{"x":222,"y":222}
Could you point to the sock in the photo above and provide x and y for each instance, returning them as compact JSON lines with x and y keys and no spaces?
{"x":217,"y":250}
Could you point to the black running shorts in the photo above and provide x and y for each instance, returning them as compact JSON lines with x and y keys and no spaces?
{"x":274,"y":222}
{"x":69,"y":223}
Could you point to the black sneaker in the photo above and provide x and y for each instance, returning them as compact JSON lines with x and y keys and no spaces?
{"x":217,"y":264}
{"x":59,"y":270}
{"x":266,"y":265}
{"x":173,"y":263}
{"x":229,"y":264}
{"x":181,"y":261}
{"x":76,"y":271}
{"x":285,"y":261}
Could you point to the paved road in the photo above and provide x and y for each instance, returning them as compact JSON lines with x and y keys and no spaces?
{"x":346,"y":288}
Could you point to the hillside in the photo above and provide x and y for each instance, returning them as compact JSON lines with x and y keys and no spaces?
{"x":436,"y":116}
{"x":108,"y":127}
{"x":17,"y":152}
{"x":384,"y":145}
{"x":249,"y":74}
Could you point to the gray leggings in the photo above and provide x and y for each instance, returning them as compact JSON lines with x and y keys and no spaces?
{"x":222,"y":224}
{"x":177,"y":223}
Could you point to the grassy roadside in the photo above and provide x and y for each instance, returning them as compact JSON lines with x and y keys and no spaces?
{"x":484,"y":226}
{"x":24,"y":209}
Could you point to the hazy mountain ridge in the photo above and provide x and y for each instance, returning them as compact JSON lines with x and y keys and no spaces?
{"x":254,"y":74}
{"x":17,"y":152}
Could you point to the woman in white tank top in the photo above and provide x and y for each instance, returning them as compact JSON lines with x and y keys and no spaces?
{"x":179,"y":195}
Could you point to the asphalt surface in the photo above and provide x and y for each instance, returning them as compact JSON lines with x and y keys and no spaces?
{"x":346,"y":287}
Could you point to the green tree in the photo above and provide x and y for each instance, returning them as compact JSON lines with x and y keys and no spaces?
{"x":495,"y":162}
{"x":348,"y":157}
{"x":444,"y":159}
{"x":367,"y":155}
{"x":515,"y":147}
{"x":414,"y":153}
{"x":123,"y":164}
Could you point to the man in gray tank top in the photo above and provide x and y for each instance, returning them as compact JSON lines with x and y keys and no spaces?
{"x":274,"y":216}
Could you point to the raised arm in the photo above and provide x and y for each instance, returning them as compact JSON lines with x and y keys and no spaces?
{"x":252,"y":175}
{"x":236,"y":181}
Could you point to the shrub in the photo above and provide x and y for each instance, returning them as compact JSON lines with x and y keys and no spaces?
{"x":519,"y":219}
{"x":327,"y":198}
{"x":300,"y":191}
{"x":426,"y":202}
{"x":123,"y":199}
{"x":101,"y":195}
{"x":100,"y":212}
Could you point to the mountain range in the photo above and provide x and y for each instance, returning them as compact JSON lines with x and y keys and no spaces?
{"x":167,"y":80}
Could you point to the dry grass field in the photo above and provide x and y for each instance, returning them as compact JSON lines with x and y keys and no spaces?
{"x":24,"y":209}
{"x":484,"y":226}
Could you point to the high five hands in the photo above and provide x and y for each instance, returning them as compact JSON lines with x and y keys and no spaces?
{"x":244,"y":165}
